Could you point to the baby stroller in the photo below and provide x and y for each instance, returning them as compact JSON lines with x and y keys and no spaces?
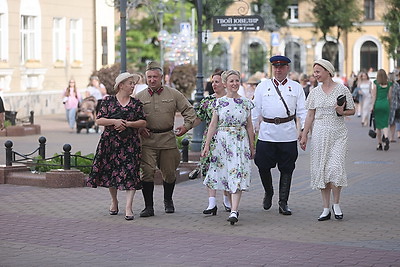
{"x":86,"y":115}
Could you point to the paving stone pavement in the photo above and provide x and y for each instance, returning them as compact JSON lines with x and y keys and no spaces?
{"x":71,"y":227}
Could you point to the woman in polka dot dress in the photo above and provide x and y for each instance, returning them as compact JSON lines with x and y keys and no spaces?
{"x":329,"y":137}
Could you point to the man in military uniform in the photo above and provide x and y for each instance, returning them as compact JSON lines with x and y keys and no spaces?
{"x":159,"y":148}
{"x":278,"y":101}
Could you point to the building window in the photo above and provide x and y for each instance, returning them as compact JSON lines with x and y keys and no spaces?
{"x":59,"y":40}
{"x":104,"y":46}
{"x":256,"y":58}
{"x":369,"y":9}
{"x":369,"y":56}
{"x":76,"y":40}
{"x":218,"y":57}
{"x":330,"y":51}
{"x":3,"y":41}
{"x":292,"y":51}
{"x":29,"y":39}
{"x":293,"y":12}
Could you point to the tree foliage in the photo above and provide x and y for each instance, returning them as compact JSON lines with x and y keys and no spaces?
{"x":391,"y":39}
{"x":340,"y":16}
{"x":273,"y":12}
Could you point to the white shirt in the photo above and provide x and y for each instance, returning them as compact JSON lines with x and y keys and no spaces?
{"x":93,"y":91}
{"x":268,"y":105}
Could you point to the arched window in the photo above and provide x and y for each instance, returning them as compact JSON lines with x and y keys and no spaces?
{"x":217,"y":58}
{"x":256,"y":58}
{"x":292,"y":51}
{"x":330,"y":52}
{"x":369,"y":56}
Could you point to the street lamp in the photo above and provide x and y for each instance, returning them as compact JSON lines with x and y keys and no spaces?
{"x":199,"y":130}
{"x":163,"y":35}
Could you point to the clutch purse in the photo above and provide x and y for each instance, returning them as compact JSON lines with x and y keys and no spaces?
{"x":340,"y":101}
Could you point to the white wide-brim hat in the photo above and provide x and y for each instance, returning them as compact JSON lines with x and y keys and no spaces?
{"x":122,"y":77}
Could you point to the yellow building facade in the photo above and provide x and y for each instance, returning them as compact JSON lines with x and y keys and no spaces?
{"x":44,"y":43}
{"x":301,"y":42}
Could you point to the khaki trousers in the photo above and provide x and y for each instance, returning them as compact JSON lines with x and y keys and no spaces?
{"x":167,"y":160}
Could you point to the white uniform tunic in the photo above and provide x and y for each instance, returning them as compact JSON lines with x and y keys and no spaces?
{"x":268,"y":105}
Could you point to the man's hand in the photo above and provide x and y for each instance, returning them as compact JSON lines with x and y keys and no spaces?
{"x":181,"y":130}
{"x":144,"y":132}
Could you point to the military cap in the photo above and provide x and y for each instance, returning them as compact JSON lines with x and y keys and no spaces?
{"x":279,"y":60}
{"x":152,"y":65}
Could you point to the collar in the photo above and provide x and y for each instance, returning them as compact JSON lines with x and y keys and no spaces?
{"x":277,"y":83}
{"x":151,"y":92}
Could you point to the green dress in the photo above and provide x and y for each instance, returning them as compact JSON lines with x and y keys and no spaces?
{"x":381,"y":106}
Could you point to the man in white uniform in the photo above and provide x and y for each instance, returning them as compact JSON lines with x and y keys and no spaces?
{"x":278,"y":101}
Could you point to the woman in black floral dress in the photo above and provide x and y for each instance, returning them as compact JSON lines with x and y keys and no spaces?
{"x":117,"y":161}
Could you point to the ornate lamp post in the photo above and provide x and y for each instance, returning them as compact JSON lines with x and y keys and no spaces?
{"x":199,"y":130}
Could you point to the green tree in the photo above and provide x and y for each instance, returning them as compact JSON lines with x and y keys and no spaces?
{"x":340,"y":16}
{"x":391,"y":39}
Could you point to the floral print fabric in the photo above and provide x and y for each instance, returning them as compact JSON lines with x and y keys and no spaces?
{"x":204,"y":112}
{"x":117,"y":160}
{"x":230,"y":165}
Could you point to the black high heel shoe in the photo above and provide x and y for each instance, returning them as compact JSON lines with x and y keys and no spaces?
{"x":227,"y":209}
{"x":325,"y":218}
{"x":233,"y":217}
{"x":113,"y":212}
{"x":212,"y":211}
{"x":337,"y":217}
{"x":129,"y":218}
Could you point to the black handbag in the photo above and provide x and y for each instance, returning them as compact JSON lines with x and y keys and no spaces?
{"x":371,"y":131}
{"x":340,"y":101}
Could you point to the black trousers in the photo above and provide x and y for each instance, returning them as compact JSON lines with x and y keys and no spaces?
{"x":271,"y":154}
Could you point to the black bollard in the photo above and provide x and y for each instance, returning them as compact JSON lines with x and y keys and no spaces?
{"x":42,"y":147}
{"x":185,"y":150}
{"x":9,"y":152}
{"x":67,"y":156}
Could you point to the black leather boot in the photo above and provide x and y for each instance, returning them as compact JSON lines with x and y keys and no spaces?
{"x":284,"y":189}
{"x":168,"y":191}
{"x":148,"y":188}
{"x":266,"y":179}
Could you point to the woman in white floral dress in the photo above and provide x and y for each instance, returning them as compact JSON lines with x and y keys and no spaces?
{"x":329,"y":137}
{"x":230,"y":164}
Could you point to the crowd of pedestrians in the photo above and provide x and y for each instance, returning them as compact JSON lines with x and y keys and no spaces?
{"x":260,"y":118}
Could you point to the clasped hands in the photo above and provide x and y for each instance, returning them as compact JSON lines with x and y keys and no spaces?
{"x":120,"y":125}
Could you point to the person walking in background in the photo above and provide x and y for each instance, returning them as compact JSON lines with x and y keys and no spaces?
{"x":97,"y":90}
{"x":204,"y":113}
{"x":365,"y":88}
{"x":277,"y":102}
{"x":313,"y":82}
{"x":381,"y":93}
{"x":394,"y":115}
{"x":71,"y":100}
{"x":116,"y":164}
{"x":141,"y":85}
{"x":305,"y":83}
{"x":357,"y":97}
{"x":230,"y":165}
{"x":159,"y":147}
{"x":329,"y":138}
{"x":2,"y":114}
